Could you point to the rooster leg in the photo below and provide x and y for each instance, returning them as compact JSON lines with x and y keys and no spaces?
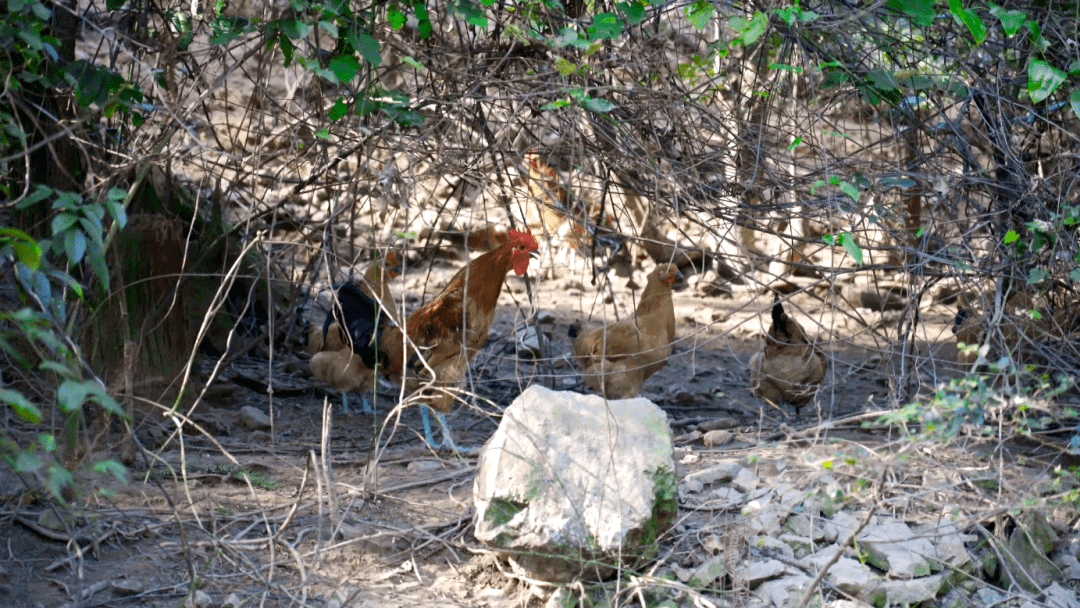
{"x":447,"y":441}
{"x":367,"y":404}
{"x":345,"y":403}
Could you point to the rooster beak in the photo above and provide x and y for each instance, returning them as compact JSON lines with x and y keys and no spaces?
{"x":534,"y":254}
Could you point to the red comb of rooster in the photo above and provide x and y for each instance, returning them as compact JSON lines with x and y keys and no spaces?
{"x":523,"y":236}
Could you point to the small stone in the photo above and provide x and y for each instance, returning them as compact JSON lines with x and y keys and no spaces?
{"x":713,"y":439}
{"x":712,"y":544}
{"x":681,"y":573}
{"x":684,"y":398}
{"x":201,"y":600}
{"x":745,"y":480}
{"x":801,"y":546}
{"x":705,"y":574}
{"x":424,"y":466}
{"x":717,"y":424}
{"x":759,"y":572}
{"x":725,"y":470}
{"x":690,"y":458}
{"x":253,"y":418}
{"x":232,"y":601}
{"x":727,"y":498}
{"x":127,"y":587}
{"x":528,"y":340}
{"x":690,"y":437}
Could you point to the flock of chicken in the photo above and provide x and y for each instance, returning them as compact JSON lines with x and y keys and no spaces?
{"x":430,"y":352}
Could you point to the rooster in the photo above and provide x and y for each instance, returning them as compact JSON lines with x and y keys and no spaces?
{"x":788,"y":368}
{"x":616,"y":359}
{"x":450,"y":329}
{"x":347,"y":359}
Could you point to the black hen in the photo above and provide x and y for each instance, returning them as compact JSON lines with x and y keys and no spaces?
{"x":361,"y":318}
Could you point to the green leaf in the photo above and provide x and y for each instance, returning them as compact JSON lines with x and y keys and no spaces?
{"x":829,"y":239}
{"x":1043,"y":79}
{"x":26,"y":248}
{"x":564,"y":67}
{"x":853,"y":249}
{"x":26,"y":462}
{"x":850,"y":190}
{"x":634,"y":11}
{"x":1036,"y":275}
{"x":75,"y":245}
{"x":56,"y":368}
{"x":605,"y":25}
{"x":395,"y":17}
{"x":59,"y":478}
{"x":921,"y":12}
{"x":63,"y":221}
{"x":68,"y":280}
{"x":330,"y":27}
{"x":1011,"y":236}
{"x":92,"y":225}
{"x":470,"y":12}
{"x":1011,"y":21}
{"x":287,"y":49}
{"x":295,"y":29}
{"x":787,"y":14}
{"x":699,"y":13}
{"x":369,"y":48}
{"x":755,"y":27}
{"x":423,"y":27}
{"x":1074,"y":274}
{"x":967,"y":17}
{"x":899,"y":182}
{"x":111,"y":467}
{"x":113,"y":5}
{"x":118,"y":213}
{"x":1074,"y":102}
{"x":38,"y":194}
{"x":338,"y":110}
{"x":225,"y":29}
{"x":565,"y":37}
{"x":405,"y":116}
{"x":794,"y":143}
{"x":97,"y":262}
{"x":105,"y":400}
{"x":323,"y":133}
{"x":22,"y":406}
{"x":414,"y":63}
{"x":344,"y":67}
{"x":40,"y":11}
{"x":72,"y":394}
{"x":598,"y":105}
{"x":558,"y":103}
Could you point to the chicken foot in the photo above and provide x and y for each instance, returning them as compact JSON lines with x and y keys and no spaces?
{"x":447,"y":440}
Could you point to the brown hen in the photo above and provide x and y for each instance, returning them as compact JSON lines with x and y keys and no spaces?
{"x":788,"y":369}
{"x":616,"y":359}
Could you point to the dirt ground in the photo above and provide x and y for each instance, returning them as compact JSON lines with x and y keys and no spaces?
{"x":399,"y":533}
